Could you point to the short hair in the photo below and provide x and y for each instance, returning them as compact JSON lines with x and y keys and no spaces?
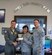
{"x":25,"y":26}
{"x":36,"y":19}
{"x":13,"y":21}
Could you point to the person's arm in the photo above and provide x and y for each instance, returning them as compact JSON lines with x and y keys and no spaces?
{"x":42,"y":33}
{"x":42,"y":38}
{"x":7,"y":39}
{"x":28,"y":40}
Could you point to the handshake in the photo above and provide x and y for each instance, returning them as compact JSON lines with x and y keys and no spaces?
{"x":14,"y":43}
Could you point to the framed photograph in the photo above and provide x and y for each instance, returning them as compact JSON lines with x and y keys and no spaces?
{"x":29,"y":20}
{"x":2,"y":15}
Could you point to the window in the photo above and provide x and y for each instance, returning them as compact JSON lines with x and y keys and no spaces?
{"x":28,"y":20}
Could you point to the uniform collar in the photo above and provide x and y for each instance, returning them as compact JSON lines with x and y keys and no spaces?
{"x":13,"y":30}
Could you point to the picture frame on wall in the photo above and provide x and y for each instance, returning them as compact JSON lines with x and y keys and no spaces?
{"x":2,"y":15}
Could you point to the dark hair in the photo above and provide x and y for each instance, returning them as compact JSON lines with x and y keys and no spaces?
{"x":25,"y":26}
{"x":36,"y":19}
{"x":12,"y":21}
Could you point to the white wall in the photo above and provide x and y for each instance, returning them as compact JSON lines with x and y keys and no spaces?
{"x":10,"y":5}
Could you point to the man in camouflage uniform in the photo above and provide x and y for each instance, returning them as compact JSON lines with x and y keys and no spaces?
{"x":38,"y":34}
{"x":10,"y":38}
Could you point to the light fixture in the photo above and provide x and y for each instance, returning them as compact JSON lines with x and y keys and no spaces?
{"x":17,"y":8}
{"x":44,"y":6}
{"x":48,"y":10}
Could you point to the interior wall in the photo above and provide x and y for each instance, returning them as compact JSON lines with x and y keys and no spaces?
{"x":10,"y":5}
